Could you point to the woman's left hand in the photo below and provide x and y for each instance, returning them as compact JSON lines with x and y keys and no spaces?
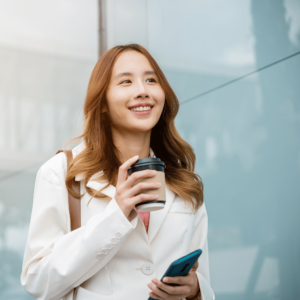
{"x":188,"y":286}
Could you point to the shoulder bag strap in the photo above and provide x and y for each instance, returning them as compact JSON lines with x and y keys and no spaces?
{"x":74,"y":204}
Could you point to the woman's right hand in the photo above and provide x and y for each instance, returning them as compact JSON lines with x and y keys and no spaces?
{"x":126,"y":189}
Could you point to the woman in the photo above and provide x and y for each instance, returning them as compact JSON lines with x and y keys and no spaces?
{"x":114,"y":255}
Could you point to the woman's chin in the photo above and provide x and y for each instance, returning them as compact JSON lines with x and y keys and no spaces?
{"x":141,"y":125}
{"x":139,"y":128}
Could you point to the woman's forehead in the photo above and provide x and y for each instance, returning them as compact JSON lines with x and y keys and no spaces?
{"x":131,"y":61}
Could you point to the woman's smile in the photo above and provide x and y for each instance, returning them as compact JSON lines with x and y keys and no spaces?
{"x":141,"y":109}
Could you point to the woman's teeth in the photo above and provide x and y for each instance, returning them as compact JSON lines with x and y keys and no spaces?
{"x":141,"y":108}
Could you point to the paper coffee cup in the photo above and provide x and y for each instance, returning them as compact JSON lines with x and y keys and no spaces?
{"x":159,"y":166}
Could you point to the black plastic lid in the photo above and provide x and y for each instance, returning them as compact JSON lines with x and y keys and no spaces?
{"x":151,"y":201}
{"x":152,"y":163}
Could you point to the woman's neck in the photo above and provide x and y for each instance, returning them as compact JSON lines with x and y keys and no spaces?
{"x":131,"y":144}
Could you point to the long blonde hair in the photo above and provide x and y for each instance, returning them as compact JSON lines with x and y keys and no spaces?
{"x":100,"y":153}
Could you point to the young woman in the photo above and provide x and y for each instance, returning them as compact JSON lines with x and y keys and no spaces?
{"x":118,"y":253}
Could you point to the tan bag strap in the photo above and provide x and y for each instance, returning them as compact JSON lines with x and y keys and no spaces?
{"x":74,"y":204}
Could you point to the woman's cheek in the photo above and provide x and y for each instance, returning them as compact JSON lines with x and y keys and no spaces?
{"x":159,"y":96}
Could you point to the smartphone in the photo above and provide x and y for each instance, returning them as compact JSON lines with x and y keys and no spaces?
{"x":181,"y":266}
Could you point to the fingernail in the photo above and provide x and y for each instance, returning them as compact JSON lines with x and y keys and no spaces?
{"x":136,"y":156}
{"x":166,"y":279}
{"x":154,"y":281}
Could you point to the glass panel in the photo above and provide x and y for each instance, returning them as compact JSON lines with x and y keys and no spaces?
{"x":245,"y":134}
{"x":47,"y":53}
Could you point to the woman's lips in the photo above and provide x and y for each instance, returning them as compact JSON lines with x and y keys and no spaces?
{"x":144,"y":112}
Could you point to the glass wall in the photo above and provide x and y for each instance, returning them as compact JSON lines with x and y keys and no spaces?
{"x":245,"y":132}
{"x":47,"y":52}
{"x":244,"y":129}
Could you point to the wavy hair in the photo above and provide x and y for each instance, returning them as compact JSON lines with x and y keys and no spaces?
{"x":100,"y":153}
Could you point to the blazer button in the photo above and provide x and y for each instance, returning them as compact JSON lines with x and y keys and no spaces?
{"x":119,"y":235}
{"x":114,"y":241}
{"x":108,"y":246}
{"x":148,"y":268}
{"x":99,"y":255}
{"x":104,"y":251}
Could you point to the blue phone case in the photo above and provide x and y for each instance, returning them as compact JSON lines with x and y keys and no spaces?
{"x":181,"y":266}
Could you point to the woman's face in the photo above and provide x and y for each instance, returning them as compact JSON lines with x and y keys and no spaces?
{"x":134,"y":84}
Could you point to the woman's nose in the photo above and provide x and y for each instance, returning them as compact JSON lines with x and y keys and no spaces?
{"x":141,"y":91}
{"x":142,"y":95}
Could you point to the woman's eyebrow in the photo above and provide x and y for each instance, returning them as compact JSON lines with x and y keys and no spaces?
{"x":130,"y":74}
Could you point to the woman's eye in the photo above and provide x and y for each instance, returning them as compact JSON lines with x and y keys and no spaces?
{"x":151,"y":79}
{"x":128,"y":80}
{"x":125,"y":81}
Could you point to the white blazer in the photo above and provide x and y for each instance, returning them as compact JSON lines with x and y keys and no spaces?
{"x":108,"y":257}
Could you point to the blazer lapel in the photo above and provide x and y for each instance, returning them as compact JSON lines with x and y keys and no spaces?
{"x":97,"y":185}
{"x":157,"y":217}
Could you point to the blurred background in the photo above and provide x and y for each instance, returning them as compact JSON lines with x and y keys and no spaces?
{"x":235,"y":67}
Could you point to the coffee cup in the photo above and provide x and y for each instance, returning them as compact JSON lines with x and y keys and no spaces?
{"x":151,"y":164}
